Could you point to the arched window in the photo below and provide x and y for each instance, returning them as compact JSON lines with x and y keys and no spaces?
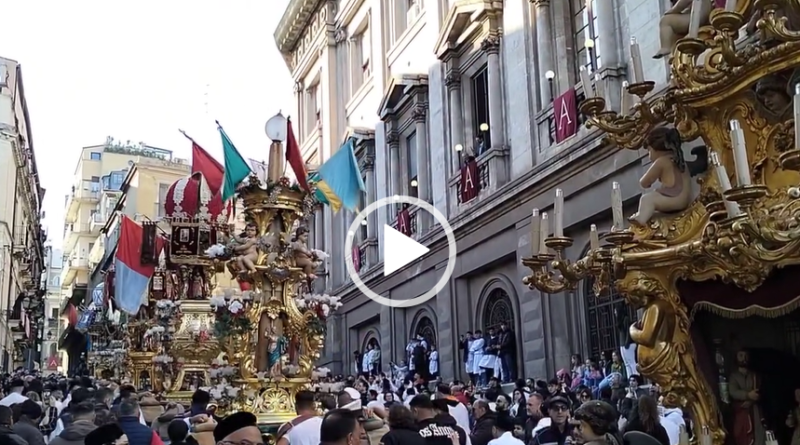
{"x":370,"y":340}
{"x":608,"y":317}
{"x":427,"y":330}
{"x":497,"y":310}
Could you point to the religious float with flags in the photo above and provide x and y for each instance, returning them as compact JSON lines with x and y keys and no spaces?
{"x":226,"y":308}
{"x":709,"y":257}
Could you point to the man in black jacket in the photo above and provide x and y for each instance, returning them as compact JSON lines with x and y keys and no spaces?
{"x":435,"y":425}
{"x":559,"y":429}
{"x":7,"y":436}
{"x":506,"y":353}
{"x":485,"y":418}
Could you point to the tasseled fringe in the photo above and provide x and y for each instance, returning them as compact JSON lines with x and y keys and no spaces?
{"x":749,"y":311}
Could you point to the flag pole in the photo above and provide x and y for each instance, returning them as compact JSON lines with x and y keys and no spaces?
{"x":286,"y":164}
{"x":188,"y":137}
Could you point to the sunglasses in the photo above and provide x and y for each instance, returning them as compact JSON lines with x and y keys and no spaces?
{"x":559,"y":409}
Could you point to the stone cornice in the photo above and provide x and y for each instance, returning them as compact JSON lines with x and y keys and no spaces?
{"x":298,"y":18}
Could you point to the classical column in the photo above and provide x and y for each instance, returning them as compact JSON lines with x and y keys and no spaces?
{"x":606,"y":27}
{"x":419,"y":115}
{"x":453,"y":83}
{"x":372,"y":219}
{"x":310,"y":111}
{"x":298,"y":95}
{"x":355,"y":60}
{"x":544,"y":36}
{"x":491,"y":45}
{"x":497,"y":158}
{"x":395,"y":168}
{"x":319,"y":229}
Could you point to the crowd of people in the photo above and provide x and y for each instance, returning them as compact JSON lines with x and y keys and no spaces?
{"x":592,"y":402}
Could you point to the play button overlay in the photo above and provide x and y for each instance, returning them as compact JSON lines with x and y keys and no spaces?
{"x":405,"y":250}
{"x":400,"y":251}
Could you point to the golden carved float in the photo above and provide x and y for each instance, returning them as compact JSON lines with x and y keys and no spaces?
{"x":737,"y":237}
{"x":232,"y":309}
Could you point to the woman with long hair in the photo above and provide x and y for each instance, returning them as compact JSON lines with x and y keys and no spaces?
{"x":645,"y":418}
{"x":402,"y":428}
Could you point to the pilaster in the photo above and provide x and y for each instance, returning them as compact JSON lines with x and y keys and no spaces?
{"x":419,"y":116}
{"x":498,"y":172}
{"x":544,"y":35}
{"x":453,"y":83}
{"x":371,"y":244}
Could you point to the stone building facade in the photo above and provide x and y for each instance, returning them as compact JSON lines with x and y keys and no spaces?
{"x":423,"y":84}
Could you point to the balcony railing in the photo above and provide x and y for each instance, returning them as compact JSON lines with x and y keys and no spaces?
{"x":483,"y":182}
{"x":78,"y":261}
{"x":86,"y":190}
{"x":96,"y":221}
{"x":78,"y":228}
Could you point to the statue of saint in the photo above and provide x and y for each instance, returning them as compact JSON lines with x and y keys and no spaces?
{"x":743,"y":386}
{"x":671,"y":171}
{"x":198,"y":285}
{"x":276,"y":347}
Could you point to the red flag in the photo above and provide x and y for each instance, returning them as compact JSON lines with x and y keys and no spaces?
{"x":565,"y":110}
{"x":404,"y":221}
{"x":295,"y":158}
{"x":212,"y":170}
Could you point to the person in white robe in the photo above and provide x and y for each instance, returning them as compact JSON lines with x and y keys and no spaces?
{"x":375,"y":360}
{"x":476,"y":351}
{"x":366,"y":360}
{"x":433,"y":362}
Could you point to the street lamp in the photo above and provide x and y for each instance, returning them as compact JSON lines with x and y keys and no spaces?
{"x":484,"y":127}
{"x":276,"y":128}
{"x":550,"y":75}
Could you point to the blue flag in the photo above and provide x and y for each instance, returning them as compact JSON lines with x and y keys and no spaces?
{"x":340,"y":179}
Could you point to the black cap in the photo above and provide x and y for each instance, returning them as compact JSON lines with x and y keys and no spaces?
{"x":233,"y":423}
{"x":104,"y":435}
{"x":558,"y":399}
{"x":17,"y":383}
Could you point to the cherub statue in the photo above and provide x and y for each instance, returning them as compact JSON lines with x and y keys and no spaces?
{"x":675,"y":23}
{"x":198,"y":285}
{"x":304,"y":257}
{"x":771,"y":92}
{"x":672,"y":172}
{"x":247,"y":249}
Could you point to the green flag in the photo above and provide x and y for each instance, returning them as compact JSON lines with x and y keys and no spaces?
{"x":236,"y":168}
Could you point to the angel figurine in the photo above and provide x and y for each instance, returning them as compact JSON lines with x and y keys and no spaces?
{"x":247,"y":249}
{"x":673,"y":173}
{"x":304,"y":257}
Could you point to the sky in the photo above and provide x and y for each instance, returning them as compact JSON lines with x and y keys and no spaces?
{"x":139,"y":71}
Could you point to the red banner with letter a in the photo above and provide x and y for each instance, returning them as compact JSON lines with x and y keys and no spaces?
{"x":404,"y":221}
{"x":470,"y":184}
{"x":565,"y":113}
{"x":52,"y":363}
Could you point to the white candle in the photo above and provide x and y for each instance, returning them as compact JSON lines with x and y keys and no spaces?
{"x":636,"y":61}
{"x":695,"y":17}
{"x":600,"y":87}
{"x":797,"y":116}
{"x":545,"y":227}
{"x":536,"y":232}
{"x":625,"y":99}
{"x":730,"y":5}
{"x":559,"y":211}
{"x":594,"y":238}
{"x":616,"y":206}
{"x":586,"y":81}
{"x":724,"y":185}
{"x":740,"y":154}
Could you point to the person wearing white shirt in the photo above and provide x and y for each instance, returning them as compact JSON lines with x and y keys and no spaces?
{"x":17,"y":386}
{"x":459,"y":412}
{"x":503,"y":432}
{"x":303,"y":429}
{"x":672,"y":420}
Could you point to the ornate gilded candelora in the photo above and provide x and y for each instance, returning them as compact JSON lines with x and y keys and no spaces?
{"x":737,"y":234}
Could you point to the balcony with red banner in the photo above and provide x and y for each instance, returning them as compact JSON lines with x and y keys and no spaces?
{"x":406,"y":221}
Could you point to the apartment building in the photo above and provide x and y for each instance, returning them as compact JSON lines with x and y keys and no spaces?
{"x":104,"y":176}
{"x":51,"y":359}
{"x":444,"y":96}
{"x":21,"y":234}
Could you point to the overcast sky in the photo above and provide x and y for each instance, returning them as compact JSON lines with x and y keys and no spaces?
{"x":139,"y":71}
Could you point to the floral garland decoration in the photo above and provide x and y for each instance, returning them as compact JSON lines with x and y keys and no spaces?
{"x":321,"y":306}
{"x":231,"y":319}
